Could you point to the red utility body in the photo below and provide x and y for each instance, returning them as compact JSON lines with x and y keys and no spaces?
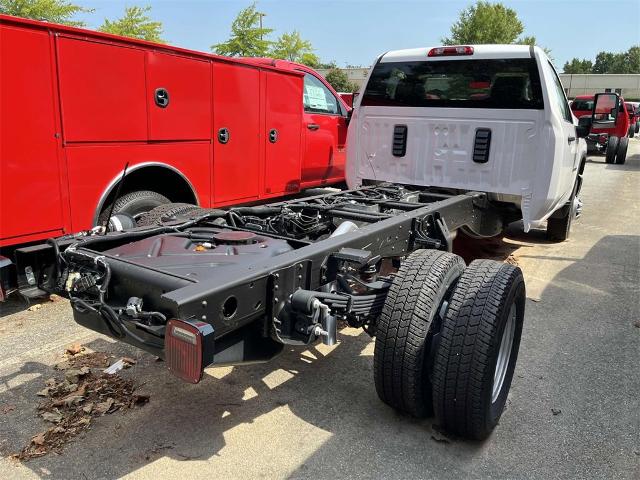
{"x":77,"y":105}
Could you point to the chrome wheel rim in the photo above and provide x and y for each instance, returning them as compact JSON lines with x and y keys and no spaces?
{"x":504,"y":354}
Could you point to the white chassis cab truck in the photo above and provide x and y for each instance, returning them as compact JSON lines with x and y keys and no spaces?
{"x":488,"y":118}
{"x":441,"y":140}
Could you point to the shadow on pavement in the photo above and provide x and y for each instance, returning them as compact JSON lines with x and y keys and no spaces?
{"x":580,"y":334}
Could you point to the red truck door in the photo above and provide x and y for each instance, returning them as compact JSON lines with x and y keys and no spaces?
{"x":178,"y":97}
{"x":283,"y":121}
{"x":325,"y":133}
{"x":236,"y":137}
{"x":30,"y":182}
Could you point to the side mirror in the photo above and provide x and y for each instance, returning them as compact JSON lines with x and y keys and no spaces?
{"x":605,"y":110}
{"x":584,"y":126}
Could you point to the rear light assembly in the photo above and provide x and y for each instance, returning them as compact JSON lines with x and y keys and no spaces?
{"x":450,"y":51}
{"x":188,"y":348}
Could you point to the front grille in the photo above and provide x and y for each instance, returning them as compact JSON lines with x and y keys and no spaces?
{"x":399,"y":140}
{"x":481,"y":145}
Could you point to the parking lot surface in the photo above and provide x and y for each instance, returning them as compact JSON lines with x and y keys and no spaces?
{"x":573,"y":410}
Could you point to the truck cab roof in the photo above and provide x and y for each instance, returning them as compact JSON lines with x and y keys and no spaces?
{"x":477,"y":52}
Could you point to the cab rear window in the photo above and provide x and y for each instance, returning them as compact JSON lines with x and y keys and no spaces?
{"x":579,"y":105}
{"x":500,"y":83}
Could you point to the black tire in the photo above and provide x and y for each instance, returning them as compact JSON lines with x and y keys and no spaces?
{"x":612,"y":148}
{"x":638,"y":127}
{"x":559,"y":225}
{"x":632,"y":131}
{"x":166,"y":211}
{"x":466,"y":356}
{"x":621,"y":155}
{"x":134,"y":204}
{"x":403,"y":339}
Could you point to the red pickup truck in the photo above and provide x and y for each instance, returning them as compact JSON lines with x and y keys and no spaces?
{"x":76,"y":106}
{"x":612,"y":142}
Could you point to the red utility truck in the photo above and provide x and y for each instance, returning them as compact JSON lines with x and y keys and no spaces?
{"x":76,"y":106}
{"x":612,"y":142}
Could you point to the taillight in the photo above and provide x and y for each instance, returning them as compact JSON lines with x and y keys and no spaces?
{"x":450,"y":51}
{"x":188,"y":348}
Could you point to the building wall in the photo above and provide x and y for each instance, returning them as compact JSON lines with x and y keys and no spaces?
{"x":574,"y":84}
{"x":582,"y":84}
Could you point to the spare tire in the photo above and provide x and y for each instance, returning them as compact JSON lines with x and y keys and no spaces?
{"x":477,"y":348}
{"x":612,"y":148}
{"x":164,"y":212}
{"x":135,"y":204}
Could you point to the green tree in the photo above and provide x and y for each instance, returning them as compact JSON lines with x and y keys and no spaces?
{"x":55,"y":11}
{"x":485,"y":22}
{"x":136,"y":24}
{"x":609,"y":62}
{"x":340,"y":81}
{"x":248,"y":36}
{"x":578,"y":66}
{"x":292,"y":47}
{"x":632,"y":60}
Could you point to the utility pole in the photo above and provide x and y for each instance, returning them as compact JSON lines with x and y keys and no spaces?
{"x":260,"y":14}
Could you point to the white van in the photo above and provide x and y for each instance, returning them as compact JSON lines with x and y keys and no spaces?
{"x":489,"y":118}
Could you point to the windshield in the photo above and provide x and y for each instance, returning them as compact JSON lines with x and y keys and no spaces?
{"x":581,"y":105}
{"x":504,"y":83}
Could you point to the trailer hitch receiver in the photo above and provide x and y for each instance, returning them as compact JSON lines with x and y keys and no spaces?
{"x":189,"y":348}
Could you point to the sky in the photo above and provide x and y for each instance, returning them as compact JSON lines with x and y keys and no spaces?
{"x":355,"y":32}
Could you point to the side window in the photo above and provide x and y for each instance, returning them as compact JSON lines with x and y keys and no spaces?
{"x":318,"y":98}
{"x":557,"y":93}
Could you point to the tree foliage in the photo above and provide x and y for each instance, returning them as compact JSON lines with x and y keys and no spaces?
{"x":292,"y":47}
{"x":247,"y":38}
{"x":578,"y":66}
{"x":486,"y":22}
{"x":607,"y":62}
{"x":55,"y":11}
{"x":340,"y":82}
{"x":136,"y":24}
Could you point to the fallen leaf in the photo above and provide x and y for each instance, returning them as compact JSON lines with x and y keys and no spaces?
{"x":440,"y":439}
{"x":7,"y":408}
{"x":44,"y":471}
{"x":39,"y":438}
{"x":74,"y":349}
{"x":103,"y":407}
{"x":88,"y":407}
{"x":556,"y":411}
{"x":34,"y":308}
{"x":55,"y":298}
{"x":129,"y":360}
{"x":83,"y":421}
{"x":73,"y":375}
{"x":44,"y":392}
{"x":62,"y":365}
{"x":53,"y":417}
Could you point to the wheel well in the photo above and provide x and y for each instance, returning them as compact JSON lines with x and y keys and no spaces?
{"x":158,"y":179}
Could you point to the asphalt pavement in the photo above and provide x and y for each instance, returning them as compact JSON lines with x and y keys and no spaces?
{"x":573,"y":410}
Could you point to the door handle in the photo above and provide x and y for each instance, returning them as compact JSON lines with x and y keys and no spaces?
{"x":273,"y":135}
{"x":161,"y":97}
{"x":313,"y":126}
{"x":223,"y":135}
{"x":571,"y":139}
